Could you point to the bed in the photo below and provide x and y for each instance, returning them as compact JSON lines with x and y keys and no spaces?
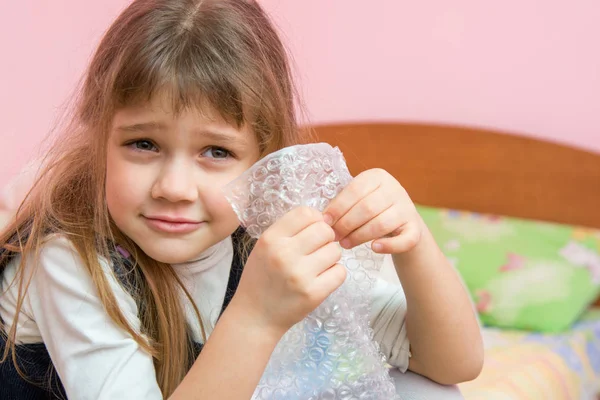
{"x":472,"y":178}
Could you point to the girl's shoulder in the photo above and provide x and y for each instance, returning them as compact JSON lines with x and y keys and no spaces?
{"x":55,"y":252}
{"x":59,"y":259}
{"x":56,"y":267}
{"x":58,"y":250}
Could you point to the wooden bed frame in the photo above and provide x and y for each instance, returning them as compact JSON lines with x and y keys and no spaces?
{"x":477,"y":169}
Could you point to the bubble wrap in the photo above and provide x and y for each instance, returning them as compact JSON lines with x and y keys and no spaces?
{"x":331,"y":354}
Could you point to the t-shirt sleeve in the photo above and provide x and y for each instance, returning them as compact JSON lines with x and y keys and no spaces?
{"x":94,"y":358}
{"x":388,"y":320}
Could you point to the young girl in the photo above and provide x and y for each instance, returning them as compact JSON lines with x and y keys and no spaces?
{"x":122,"y":271}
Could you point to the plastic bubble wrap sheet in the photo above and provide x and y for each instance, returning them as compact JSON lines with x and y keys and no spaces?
{"x":331,"y":354}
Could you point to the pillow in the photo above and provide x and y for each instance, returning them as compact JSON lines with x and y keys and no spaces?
{"x":522,"y":274}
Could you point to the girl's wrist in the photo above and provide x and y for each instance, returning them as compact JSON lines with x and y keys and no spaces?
{"x":257,"y":326}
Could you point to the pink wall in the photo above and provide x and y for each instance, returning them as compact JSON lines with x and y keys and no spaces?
{"x":530,"y":67}
{"x":45,"y":46}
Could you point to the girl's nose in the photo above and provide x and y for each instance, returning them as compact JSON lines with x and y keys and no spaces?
{"x":176,"y":182}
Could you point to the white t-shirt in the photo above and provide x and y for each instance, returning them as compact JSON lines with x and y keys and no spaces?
{"x":95,"y":359}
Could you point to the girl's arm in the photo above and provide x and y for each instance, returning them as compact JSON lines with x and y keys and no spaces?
{"x":443,"y":331}
{"x":232,"y":360}
{"x":441,"y":324}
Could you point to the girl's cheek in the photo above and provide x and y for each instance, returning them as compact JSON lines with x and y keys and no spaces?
{"x":217,"y":205}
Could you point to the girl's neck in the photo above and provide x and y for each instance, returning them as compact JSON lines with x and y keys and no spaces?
{"x":210,"y":256}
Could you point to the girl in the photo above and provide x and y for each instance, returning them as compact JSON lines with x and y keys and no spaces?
{"x":122,"y":271}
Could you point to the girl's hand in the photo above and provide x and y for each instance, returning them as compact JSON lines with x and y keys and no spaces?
{"x":291,"y":270}
{"x":374,"y":206}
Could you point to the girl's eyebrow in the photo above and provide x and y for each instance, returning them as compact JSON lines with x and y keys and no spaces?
{"x":141,"y":127}
{"x":220,"y":136}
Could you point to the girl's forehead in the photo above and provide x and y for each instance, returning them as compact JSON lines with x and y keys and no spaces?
{"x":160,"y":108}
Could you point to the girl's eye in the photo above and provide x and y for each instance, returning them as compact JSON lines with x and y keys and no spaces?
{"x":143,"y":145}
{"x":217,"y":152}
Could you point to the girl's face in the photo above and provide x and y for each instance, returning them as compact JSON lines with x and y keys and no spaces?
{"x":164,"y":177}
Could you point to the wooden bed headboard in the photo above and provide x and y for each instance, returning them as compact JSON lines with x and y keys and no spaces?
{"x":477,"y":169}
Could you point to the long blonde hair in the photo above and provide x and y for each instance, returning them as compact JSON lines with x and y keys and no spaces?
{"x":224,"y":52}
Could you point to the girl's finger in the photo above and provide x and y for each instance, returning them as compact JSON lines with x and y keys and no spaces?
{"x":323,"y":258}
{"x":407,"y":239}
{"x":362,"y":213}
{"x":294,"y":222}
{"x":313,"y":237}
{"x":387,"y":222}
{"x":356,"y":190}
{"x":328,"y":281}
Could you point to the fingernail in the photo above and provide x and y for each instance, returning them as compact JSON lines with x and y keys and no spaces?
{"x":345,"y":243}
{"x":377,"y":247}
{"x":328,"y":219}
